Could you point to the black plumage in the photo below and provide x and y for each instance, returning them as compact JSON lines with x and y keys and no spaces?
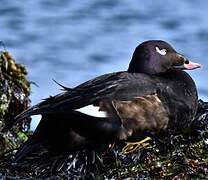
{"x":154,"y":95}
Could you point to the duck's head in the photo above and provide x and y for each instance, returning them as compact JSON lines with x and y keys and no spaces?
{"x":156,"y":56}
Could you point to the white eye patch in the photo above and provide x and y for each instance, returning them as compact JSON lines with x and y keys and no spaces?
{"x":161,"y":51}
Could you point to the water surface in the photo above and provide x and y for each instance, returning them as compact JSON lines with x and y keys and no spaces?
{"x":73,"y":41}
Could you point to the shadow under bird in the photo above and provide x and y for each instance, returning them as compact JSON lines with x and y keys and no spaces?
{"x":153,"y":96}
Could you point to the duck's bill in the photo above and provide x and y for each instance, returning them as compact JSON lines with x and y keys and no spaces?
{"x":191,"y":65}
{"x":188,"y":66}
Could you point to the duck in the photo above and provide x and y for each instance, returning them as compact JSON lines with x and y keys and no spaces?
{"x":155,"y":95}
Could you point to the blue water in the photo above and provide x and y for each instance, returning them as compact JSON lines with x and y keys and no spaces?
{"x":73,"y":41}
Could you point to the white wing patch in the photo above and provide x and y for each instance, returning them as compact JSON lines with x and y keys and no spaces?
{"x":162,"y":52}
{"x":92,"y":110}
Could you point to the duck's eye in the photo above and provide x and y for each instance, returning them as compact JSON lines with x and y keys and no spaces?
{"x":161,"y":51}
{"x":186,"y":62}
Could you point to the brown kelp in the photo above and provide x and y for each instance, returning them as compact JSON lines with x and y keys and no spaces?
{"x":14,"y":93}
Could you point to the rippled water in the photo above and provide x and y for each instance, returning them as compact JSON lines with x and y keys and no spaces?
{"x":73,"y":41}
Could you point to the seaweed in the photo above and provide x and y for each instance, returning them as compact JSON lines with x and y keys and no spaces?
{"x":14,"y":98}
{"x":181,"y":156}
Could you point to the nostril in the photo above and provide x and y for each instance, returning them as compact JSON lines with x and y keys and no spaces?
{"x":186,"y":62}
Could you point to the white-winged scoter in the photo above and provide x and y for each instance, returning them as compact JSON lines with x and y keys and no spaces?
{"x":154,"y":95}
